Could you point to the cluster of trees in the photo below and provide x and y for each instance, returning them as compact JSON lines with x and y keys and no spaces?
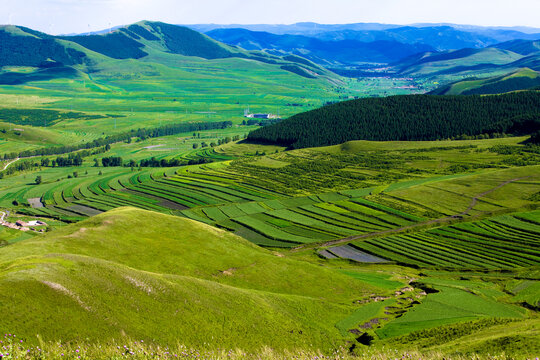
{"x":413,"y":117}
{"x":111,"y":161}
{"x":111,"y":139}
{"x":74,"y":159}
{"x":153,"y":162}
{"x":225,"y":140}
{"x":261,"y":122}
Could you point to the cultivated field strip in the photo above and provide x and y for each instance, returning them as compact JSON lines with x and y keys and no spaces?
{"x":504,"y":241}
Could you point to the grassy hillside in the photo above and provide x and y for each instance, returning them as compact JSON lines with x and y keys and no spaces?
{"x":20,"y":48}
{"x":522,"y":47}
{"x":174,"y":271}
{"x":469,"y":277}
{"x":522,"y":79}
{"x":457,"y":61}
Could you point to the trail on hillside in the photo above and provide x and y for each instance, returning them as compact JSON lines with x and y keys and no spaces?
{"x":9,"y":163}
{"x":474,"y":202}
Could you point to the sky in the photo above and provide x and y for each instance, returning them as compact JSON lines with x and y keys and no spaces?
{"x":78,"y":16}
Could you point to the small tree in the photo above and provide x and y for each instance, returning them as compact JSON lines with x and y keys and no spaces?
{"x":38,"y":180}
{"x":75,"y":174}
{"x":195,"y":145}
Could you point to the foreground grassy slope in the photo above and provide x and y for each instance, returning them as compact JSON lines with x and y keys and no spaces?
{"x":183,"y":281}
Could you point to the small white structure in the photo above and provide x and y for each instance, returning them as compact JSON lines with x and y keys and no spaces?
{"x":35,"y":223}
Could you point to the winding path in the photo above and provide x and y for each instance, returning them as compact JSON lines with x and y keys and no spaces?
{"x":473,"y":203}
{"x":9,"y":163}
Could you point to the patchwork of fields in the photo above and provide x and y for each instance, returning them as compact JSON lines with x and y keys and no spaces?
{"x":416,"y":222}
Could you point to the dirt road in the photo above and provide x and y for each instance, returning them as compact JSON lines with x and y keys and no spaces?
{"x":9,"y":163}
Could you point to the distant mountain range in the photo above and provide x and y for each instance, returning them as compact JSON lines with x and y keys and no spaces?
{"x":325,"y":52}
{"x":439,"y":36}
{"x":312,"y":28}
{"x":354,"y":44}
{"x":440,"y":52}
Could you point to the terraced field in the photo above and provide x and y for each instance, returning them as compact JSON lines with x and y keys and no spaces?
{"x":372,"y":213}
{"x":498,"y":242}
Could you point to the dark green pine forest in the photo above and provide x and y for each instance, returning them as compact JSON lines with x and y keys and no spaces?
{"x":406,"y":118}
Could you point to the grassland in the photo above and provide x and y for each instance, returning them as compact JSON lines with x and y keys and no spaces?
{"x":185,"y":275}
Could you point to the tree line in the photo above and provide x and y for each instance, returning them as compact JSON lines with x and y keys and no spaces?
{"x":407,"y":118}
{"x":126,"y":136}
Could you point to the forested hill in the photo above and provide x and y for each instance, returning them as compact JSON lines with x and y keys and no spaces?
{"x":413,"y":117}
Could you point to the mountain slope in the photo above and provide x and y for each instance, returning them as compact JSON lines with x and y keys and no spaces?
{"x":26,"y":47}
{"x":21,"y":48}
{"x":522,"y":79}
{"x":522,"y":47}
{"x":455,"y":62}
{"x":496,"y":60}
{"x":145,"y":275}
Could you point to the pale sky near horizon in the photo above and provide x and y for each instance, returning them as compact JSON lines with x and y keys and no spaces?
{"x":77,"y":16}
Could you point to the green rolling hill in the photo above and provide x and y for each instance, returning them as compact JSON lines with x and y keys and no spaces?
{"x":523,"y":79}
{"x":147,"y":74}
{"x":496,"y":60}
{"x":457,"y":61}
{"x":170,"y":280}
{"x":142,"y":41}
